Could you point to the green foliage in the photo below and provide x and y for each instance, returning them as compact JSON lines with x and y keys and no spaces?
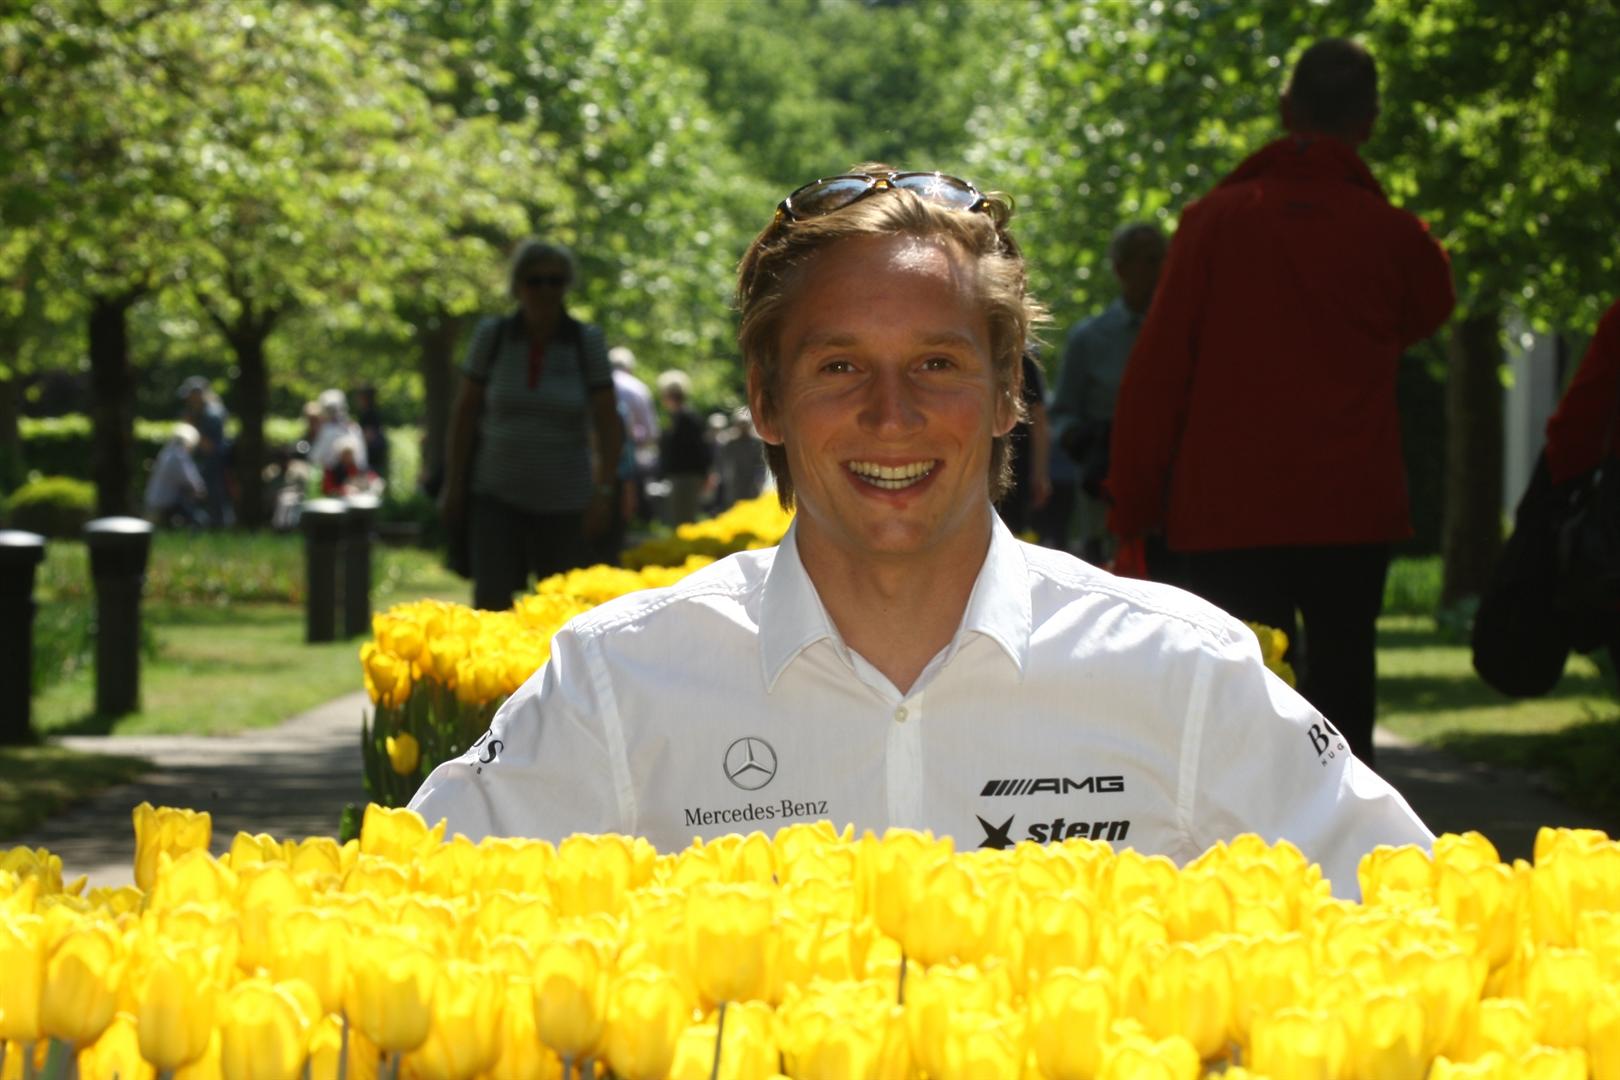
{"x":1413,"y":586}
{"x":53,"y":506}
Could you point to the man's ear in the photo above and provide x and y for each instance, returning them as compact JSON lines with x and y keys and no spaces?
{"x":764,"y":421}
{"x":1006,"y":403}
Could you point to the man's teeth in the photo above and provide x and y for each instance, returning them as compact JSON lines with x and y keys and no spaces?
{"x":892,"y":477}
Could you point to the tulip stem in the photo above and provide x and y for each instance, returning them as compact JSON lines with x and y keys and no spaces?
{"x":900,"y":983}
{"x":568,"y":1067}
{"x":719,"y":1042}
{"x":343,"y":1050}
{"x":58,"y":1060}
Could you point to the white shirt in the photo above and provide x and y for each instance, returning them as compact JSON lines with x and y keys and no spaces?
{"x":1069,"y":703}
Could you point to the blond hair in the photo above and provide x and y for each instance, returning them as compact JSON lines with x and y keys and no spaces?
{"x":774,"y":264}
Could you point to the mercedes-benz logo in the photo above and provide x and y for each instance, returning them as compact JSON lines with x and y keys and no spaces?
{"x":750,"y":763}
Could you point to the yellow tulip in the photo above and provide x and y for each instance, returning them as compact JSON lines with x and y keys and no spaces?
{"x":749,"y":1050}
{"x":1554,"y":1063}
{"x":985,"y":1046}
{"x":1394,"y":870}
{"x":267,"y":892}
{"x":1603,"y":1033}
{"x":326,"y":1048}
{"x":1069,"y":1016}
{"x":1136,"y":1057}
{"x":463,"y":1039}
{"x":1503,"y":1025}
{"x":646,"y":1014}
{"x":1386,"y":1037}
{"x":1186,"y":989}
{"x":404,"y":752}
{"x":895,"y":868}
{"x":520,"y":1053}
{"x":176,"y":1012}
{"x":81,"y":984}
{"x":166,"y":831}
{"x":389,"y":992}
{"x":1483,"y":900}
{"x":728,"y":940}
{"x":570,"y":996}
{"x":22,"y":958}
{"x":1560,"y":986}
{"x":590,"y":874}
{"x":248,"y":848}
{"x":312,"y":944}
{"x":116,"y":1053}
{"x":262,"y":1033}
{"x":398,"y":834}
{"x":1492,"y":1066}
{"x":1299,"y":1044}
{"x":947,"y":916}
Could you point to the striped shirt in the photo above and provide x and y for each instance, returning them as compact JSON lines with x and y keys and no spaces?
{"x":534,"y":440}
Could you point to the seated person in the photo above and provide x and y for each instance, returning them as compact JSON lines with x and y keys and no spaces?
{"x":900,"y":659}
{"x":175,"y":491}
{"x":348,"y":474}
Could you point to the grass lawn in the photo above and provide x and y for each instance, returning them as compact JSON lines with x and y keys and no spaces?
{"x":1428,"y":693}
{"x":37,"y":781}
{"x":219,"y":668}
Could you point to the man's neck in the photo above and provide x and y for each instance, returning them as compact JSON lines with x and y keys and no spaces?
{"x":898,"y":613}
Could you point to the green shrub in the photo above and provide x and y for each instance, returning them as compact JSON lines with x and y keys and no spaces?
{"x":1413,"y":586}
{"x":55,"y":506}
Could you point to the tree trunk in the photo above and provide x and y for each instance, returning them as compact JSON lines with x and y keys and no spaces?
{"x":436,"y":342}
{"x":112,"y":406}
{"x":252,"y":403}
{"x":1473,"y":513}
{"x":12,"y":465}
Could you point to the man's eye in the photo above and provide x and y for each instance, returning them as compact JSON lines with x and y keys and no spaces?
{"x":837,"y":367}
{"x":939,"y":363}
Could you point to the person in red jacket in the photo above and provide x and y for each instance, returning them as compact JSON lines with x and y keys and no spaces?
{"x":1256,"y":424}
{"x":1588,"y":416}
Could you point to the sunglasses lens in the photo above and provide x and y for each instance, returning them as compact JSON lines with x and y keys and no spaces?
{"x":937,"y":188}
{"x":825,"y":196}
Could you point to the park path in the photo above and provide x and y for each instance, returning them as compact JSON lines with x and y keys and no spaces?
{"x":292,"y":781}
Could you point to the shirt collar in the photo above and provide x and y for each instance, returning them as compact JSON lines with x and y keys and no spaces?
{"x":792,"y":617}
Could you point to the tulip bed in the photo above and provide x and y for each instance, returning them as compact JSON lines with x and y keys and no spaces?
{"x":436,"y":672}
{"x":811,"y":954}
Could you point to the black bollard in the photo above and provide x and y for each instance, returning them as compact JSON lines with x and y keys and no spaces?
{"x":322,"y":520}
{"x":357,"y":537}
{"x":20,"y":554}
{"x":118,"y":550}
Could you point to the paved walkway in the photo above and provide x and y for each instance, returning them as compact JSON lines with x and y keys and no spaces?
{"x":291,"y":781}
{"x":294,"y":779}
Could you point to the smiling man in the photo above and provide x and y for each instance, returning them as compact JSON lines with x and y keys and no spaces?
{"x":900,"y":659}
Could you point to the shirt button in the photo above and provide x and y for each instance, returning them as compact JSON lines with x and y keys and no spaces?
{"x":900,"y":715}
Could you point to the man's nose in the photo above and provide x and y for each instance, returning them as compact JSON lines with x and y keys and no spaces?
{"x":891,"y":407}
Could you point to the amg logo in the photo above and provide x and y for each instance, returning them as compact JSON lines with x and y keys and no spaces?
{"x":1056,"y":785}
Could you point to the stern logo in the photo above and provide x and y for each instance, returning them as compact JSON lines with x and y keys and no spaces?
{"x":750,"y":763}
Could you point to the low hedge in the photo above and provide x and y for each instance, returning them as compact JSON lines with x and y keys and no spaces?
{"x":53,"y":506}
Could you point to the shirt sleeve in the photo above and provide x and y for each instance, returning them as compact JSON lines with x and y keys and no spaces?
{"x":546,"y":767}
{"x":480,"y":358}
{"x":1430,"y":294}
{"x":1259,"y":759}
{"x":1151,"y":409}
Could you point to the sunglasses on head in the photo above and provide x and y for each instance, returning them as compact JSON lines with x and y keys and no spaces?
{"x":833,"y":193}
{"x":539,"y":281}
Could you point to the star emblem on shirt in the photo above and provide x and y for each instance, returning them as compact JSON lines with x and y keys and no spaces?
{"x":996,"y":836}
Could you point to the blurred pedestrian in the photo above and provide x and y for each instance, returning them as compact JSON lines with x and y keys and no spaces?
{"x":533,"y":450}
{"x":201,"y":408}
{"x":1257,"y":423}
{"x":335,"y":427}
{"x":640,"y":418}
{"x":1094,"y":356}
{"x":684,"y":453}
{"x":176,"y":491}
{"x":1030,"y":442}
{"x":739,"y":461}
{"x":369,"y":417}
